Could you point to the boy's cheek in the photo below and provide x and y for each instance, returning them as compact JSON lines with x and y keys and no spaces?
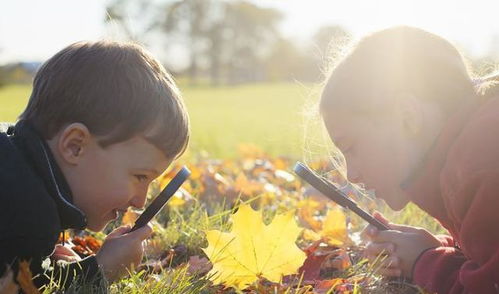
{"x":97,"y":216}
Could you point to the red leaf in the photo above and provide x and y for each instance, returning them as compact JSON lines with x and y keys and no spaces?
{"x":311,"y":268}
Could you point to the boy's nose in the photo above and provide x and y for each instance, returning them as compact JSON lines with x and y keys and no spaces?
{"x":139,"y":200}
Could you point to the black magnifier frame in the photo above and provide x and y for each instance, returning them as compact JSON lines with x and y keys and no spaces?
{"x":333,"y":193}
{"x":163,"y":197}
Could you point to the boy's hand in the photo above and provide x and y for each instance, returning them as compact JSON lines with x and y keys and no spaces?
{"x":122,"y":251}
{"x":401,"y":246}
{"x":64,"y":253}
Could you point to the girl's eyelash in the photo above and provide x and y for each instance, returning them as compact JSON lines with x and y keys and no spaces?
{"x":347,"y":150}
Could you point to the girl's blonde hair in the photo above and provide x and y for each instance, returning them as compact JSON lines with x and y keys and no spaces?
{"x":401,"y":60}
{"x":488,"y":86}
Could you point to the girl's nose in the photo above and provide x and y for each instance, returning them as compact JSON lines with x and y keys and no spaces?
{"x":353,"y":175}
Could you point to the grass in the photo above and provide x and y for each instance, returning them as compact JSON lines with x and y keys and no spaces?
{"x":13,"y":100}
{"x":268,"y":115}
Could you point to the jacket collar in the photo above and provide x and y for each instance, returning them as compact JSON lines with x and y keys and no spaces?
{"x":43,"y":162}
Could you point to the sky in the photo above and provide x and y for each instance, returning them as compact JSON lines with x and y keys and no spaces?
{"x":34,"y":30}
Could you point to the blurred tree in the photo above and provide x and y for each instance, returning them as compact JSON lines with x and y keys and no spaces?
{"x":229,"y":41}
{"x":2,"y":74}
{"x":215,"y":52}
{"x":229,"y":38}
{"x":291,"y":63}
{"x":192,"y":21}
{"x":133,"y":20}
{"x":330,"y":39}
{"x":2,"y":77}
{"x":251,"y":32}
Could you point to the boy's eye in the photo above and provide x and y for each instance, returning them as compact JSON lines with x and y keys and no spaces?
{"x":141,"y":178}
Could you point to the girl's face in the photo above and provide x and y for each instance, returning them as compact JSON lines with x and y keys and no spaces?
{"x":380,"y":153}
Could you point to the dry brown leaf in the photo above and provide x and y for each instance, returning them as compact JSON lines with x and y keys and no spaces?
{"x":25,"y":279}
{"x":7,"y":284}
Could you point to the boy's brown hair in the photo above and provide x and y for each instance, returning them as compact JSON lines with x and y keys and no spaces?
{"x":118,"y":90}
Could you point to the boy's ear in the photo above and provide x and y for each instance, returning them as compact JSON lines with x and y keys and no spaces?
{"x":411,"y":113}
{"x":73,"y":142}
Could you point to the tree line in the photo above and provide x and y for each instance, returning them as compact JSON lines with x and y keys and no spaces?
{"x":225,"y":42}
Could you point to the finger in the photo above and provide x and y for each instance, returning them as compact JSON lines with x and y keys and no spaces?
{"x":390,"y":272}
{"x":369,"y":232}
{"x":142,"y":233}
{"x":64,"y":257}
{"x":389,"y":236}
{"x":402,"y":228}
{"x":377,"y":215}
{"x":62,"y":250}
{"x":119,"y":231}
{"x":391,"y":262}
{"x":375,"y":249}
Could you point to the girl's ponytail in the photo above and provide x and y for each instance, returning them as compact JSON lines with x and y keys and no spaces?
{"x":488,"y":86}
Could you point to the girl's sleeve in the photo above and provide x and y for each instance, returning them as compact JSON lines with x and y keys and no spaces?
{"x":473,"y":265}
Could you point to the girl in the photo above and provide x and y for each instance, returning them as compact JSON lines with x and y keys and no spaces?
{"x":412,"y":124}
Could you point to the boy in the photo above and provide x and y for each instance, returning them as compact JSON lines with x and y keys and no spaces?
{"x":104,"y":120}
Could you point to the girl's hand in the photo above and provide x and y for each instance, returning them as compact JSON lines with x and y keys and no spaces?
{"x":122,"y":251}
{"x":400,"y":247}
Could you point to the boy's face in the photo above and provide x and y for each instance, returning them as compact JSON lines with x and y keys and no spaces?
{"x":106,"y":181}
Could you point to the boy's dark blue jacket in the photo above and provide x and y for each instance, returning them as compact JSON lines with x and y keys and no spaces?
{"x":36,"y":205}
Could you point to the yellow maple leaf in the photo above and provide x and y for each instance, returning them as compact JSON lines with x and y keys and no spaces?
{"x":252,"y":249}
{"x":334,"y":227}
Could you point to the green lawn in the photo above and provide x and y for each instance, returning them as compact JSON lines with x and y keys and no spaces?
{"x":13,"y":99}
{"x":268,"y":115}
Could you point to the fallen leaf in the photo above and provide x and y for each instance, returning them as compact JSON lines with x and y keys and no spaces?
{"x":326,"y":285}
{"x":311,"y":268}
{"x":199,"y":265}
{"x":253,"y":250}
{"x":334,"y":227}
{"x":7,"y":284}
{"x":248,"y":187}
{"x":25,"y":279}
